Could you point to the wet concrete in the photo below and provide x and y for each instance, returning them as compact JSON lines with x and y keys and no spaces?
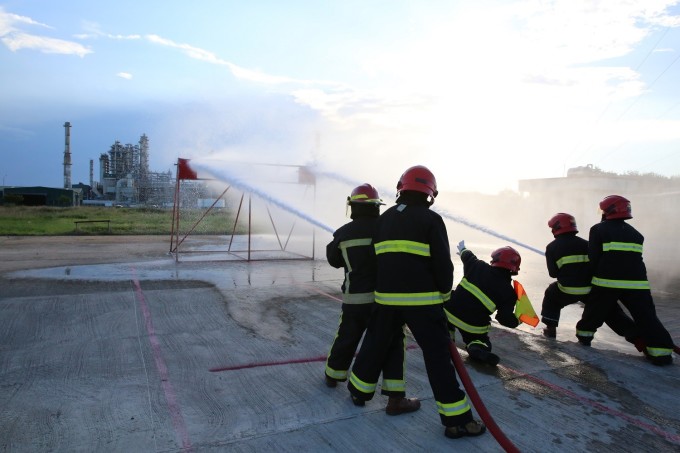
{"x":151,"y":354}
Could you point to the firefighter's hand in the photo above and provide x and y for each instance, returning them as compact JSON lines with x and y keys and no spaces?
{"x":461,"y":247}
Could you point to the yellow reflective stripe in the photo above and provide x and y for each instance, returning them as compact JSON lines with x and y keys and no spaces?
{"x":403,"y":299}
{"x":365,"y":198}
{"x":571,"y":259}
{"x":658,"y":352}
{"x":453,"y":409}
{"x":344,"y":245}
{"x":415,"y":248}
{"x":585,"y":333}
{"x":483,"y":298}
{"x":575,"y":290}
{"x":355,"y":242}
{"x":394,"y":385}
{"x":363,"y":387}
{"x":621,"y":284}
{"x":622,"y":247}
{"x":336,"y":374}
{"x":465,"y":326}
{"x":446,"y":296}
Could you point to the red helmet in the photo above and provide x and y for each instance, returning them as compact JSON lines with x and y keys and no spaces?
{"x":507,"y":258}
{"x":616,"y":207}
{"x":364,"y":194}
{"x":419,"y":179}
{"x":562,"y":223}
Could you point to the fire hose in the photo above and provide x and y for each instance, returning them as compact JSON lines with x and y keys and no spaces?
{"x":484,"y":414}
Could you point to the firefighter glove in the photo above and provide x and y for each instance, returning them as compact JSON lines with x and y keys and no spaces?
{"x":461,"y":247}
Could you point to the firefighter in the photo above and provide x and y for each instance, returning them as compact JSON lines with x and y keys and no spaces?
{"x":567,"y":260}
{"x":619,"y":274}
{"x":352,"y":249}
{"x":484,"y":289}
{"x":415,"y":274}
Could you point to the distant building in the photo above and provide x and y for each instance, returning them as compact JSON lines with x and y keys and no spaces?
{"x":42,"y":196}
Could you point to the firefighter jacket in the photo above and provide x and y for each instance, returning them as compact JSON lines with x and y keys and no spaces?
{"x":483,"y":290}
{"x":352,"y":249}
{"x":413,"y":255}
{"x":615,"y":253}
{"x":567,"y":260}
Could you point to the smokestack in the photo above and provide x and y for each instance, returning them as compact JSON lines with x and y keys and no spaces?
{"x":67,"y":157}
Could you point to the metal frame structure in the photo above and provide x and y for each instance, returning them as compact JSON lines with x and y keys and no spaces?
{"x":248,"y":254}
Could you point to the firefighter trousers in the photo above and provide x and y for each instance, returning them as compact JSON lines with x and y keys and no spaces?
{"x":639,"y":303}
{"x":428,"y":325}
{"x":554,"y":300}
{"x":351,"y":327}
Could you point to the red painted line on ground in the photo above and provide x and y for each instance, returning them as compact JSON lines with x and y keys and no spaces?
{"x":598,"y":406}
{"x":170,"y":395}
{"x":282,"y":362}
{"x":330,"y":296}
{"x":555,"y":387}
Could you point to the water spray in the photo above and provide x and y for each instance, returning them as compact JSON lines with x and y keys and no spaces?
{"x":444,"y":213}
{"x":225,"y":176}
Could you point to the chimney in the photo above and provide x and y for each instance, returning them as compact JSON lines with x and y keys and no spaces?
{"x":67,"y":157}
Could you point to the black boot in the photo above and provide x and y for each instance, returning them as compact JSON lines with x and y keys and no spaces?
{"x":550,"y":331}
{"x":479,"y":353}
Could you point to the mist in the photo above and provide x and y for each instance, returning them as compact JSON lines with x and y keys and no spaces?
{"x":484,"y":221}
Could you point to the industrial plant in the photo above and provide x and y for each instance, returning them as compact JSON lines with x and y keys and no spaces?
{"x":124,"y":180}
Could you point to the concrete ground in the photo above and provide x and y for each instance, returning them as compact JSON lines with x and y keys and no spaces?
{"x":111,"y":344}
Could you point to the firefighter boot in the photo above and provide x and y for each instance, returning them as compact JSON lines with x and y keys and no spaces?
{"x":357,"y":401}
{"x":397,"y":405}
{"x":658,"y":360}
{"x":473,"y":428}
{"x":550,"y":331}
{"x":330,"y":382}
{"x":584,"y":341}
{"x":479,"y":353}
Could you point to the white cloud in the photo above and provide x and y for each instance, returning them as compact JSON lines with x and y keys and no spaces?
{"x":16,"y":39}
{"x":124,"y":75}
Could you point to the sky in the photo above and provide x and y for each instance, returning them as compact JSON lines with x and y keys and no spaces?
{"x":484,"y":93}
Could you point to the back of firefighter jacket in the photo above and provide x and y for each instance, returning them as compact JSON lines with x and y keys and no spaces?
{"x":567,"y":260}
{"x":413,"y":256}
{"x":352,"y":249}
{"x":615,"y":252}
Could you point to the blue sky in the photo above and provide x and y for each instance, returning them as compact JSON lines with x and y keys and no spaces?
{"x":484,"y":93}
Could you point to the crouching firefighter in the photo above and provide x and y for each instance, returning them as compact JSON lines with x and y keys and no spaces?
{"x":484,"y":289}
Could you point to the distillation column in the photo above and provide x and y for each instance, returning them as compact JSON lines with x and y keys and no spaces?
{"x":67,"y":157}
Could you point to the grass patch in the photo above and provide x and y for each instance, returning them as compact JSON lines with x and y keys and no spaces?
{"x":53,"y":221}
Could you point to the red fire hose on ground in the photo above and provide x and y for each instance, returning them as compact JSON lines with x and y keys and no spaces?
{"x":490,"y":423}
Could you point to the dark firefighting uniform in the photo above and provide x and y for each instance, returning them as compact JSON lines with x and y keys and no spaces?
{"x":567,"y":260}
{"x":619,"y":274}
{"x":483,"y":290}
{"x":352,"y":249}
{"x":415,"y":274}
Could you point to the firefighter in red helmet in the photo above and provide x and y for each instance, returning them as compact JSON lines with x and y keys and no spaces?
{"x":567,"y":261}
{"x":352,"y":250}
{"x":619,"y":274}
{"x":415,"y":275}
{"x":484,"y":289}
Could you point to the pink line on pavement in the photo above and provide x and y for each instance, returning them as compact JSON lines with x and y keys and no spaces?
{"x":170,"y":395}
{"x":555,"y":387}
{"x":596,"y":405}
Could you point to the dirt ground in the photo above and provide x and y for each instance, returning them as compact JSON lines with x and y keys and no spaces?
{"x":34,"y":252}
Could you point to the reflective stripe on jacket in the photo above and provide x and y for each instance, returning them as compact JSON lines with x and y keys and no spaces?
{"x":615,"y":251}
{"x":413,"y":257}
